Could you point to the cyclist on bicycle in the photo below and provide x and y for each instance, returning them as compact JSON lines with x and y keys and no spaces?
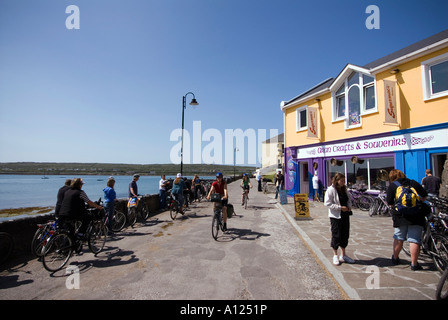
{"x":73,"y":206}
{"x":219,"y":186}
{"x":246,"y":185}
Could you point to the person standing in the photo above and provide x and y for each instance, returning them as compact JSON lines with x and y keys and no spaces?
{"x":73,"y":206}
{"x":339,"y":211}
{"x":406,"y":226}
{"x":316,"y":187}
{"x":178,"y":191}
{"x":163,"y":183}
{"x":133,"y":189}
{"x":431,"y":184}
{"x":197,"y":186}
{"x":259,"y":180}
{"x":279,"y":183}
{"x":60,"y":196}
{"x":110,"y":196}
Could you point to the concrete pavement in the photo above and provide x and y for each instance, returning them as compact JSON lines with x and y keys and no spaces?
{"x":261,"y":257}
{"x":372,"y":276}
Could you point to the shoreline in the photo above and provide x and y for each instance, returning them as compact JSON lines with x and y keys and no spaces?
{"x":25,"y":211}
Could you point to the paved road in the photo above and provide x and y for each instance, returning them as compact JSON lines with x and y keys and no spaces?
{"x":261,"y":257}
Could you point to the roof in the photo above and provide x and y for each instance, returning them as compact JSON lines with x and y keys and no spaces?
{"x":279,"y":138}
{"x":316,"y":90}
{"x":423,"y":44}
{"x":413,"y":51}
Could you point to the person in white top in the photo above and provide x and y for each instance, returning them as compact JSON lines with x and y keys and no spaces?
{"x":163,"y":183}
{"x":316,"y":186}
{"x":339,"y":211}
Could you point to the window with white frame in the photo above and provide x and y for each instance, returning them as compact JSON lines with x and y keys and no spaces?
{"x":301,"y":118}
{"x":435,"y":77}
{"x":354,"y":98}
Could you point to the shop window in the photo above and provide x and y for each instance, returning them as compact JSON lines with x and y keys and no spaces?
{"x":357,"y":175}
{"x":375,"y":166}
{"x":363,"y":173}
{"x":435,"y":77}
{"x":334,"y":167}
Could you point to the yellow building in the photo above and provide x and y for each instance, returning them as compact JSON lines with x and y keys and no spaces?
{"x":390,"y":113}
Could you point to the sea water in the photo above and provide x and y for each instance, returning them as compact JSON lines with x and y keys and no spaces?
{"x":20,"y":191}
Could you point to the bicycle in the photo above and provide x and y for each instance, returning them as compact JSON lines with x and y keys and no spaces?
{"x":135,"y":208}
{"x":118,"y":220}
{"x":42,"y":233}
{"x":359,"y":199}
{"x":442,"y":287}
{"x":6,"y":246}
{"x":217,"y":223}
{"x":174,"y":206}
{"x":61,"y":243}
{"x":380,"y":205}
{"x":438,"y":204}
{"x":245,"y":197}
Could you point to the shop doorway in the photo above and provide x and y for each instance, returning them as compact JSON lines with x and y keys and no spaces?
{"x":437,"y":163}
{"x":304,"y":177}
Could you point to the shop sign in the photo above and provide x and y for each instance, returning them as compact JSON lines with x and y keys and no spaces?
{"x":312,"y":122}
{"x":301,"y":205}
{"x":283,"y":196}
{"x":408,"y":141}
{"x":390,"y":102}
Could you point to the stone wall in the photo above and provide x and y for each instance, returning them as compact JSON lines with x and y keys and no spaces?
{"x":23,"y":229}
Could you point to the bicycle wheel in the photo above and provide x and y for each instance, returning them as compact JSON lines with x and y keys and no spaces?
{"x":118,"y":221}
{"x":6,"y":246}
{"x":245,"y":201}
{"x":439,"y":251}
{"x":57,"y":251}
{"x":173,"y":209}
{"x":365,"y":202}
{"x":38,"y":241}
{"x":216,"y":222}
{"x":374,"y":207}
{"x":144,"y":212}
{"x":97,"y":237}
{"x":442,"y":287}
{"x":132,"y":216}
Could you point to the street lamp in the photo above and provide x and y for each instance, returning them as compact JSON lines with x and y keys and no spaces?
{"x":192,"y":103}
{"x":234,"y":161}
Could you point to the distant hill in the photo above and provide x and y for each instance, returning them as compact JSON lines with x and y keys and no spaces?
{"x":53,"y":168}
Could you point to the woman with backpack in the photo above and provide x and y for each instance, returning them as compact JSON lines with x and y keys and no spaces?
{"x":407,"y":196}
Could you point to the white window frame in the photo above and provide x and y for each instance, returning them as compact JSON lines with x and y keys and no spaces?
{"x":362,"y":89}
{"x":298,"y":118}
{"x":426,"y":77}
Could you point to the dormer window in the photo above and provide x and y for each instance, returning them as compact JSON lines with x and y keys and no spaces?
{"x":354,"y":98}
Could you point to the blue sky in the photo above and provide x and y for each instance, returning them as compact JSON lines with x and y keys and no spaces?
{"x":112,"y":90}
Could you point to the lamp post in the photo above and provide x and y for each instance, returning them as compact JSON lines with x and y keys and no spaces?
{"x":192,"y":103}
{"x":234,"y":161}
